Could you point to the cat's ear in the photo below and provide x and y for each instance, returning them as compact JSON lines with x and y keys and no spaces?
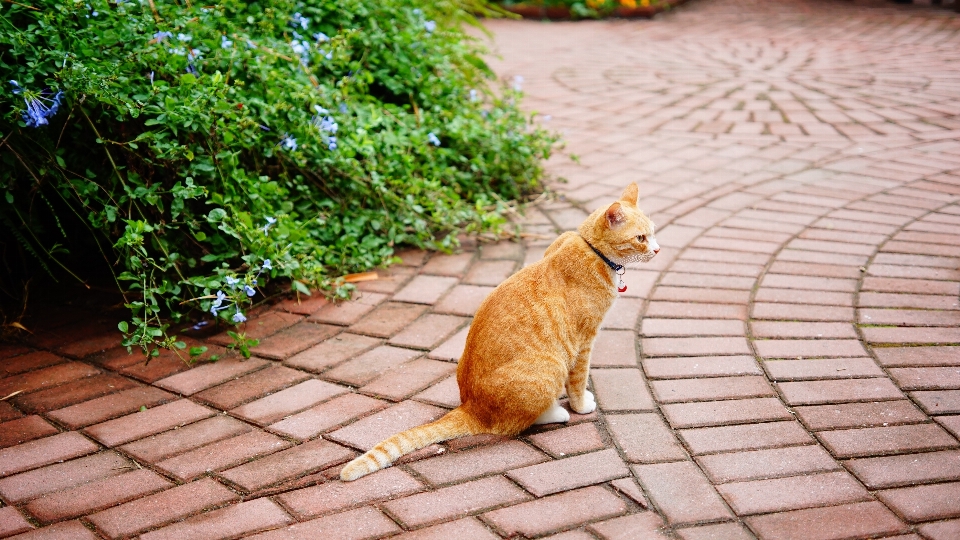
{"x":631,"y":195}
{"x":615,"y":216}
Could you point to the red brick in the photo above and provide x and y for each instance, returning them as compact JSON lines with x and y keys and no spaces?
{"x":924,"y":503}
{"x":90,"y":344}
{"x":360,"y":524}
{"x":269,"y":409}
{"x":828,"y":368}
{"x":938,"y":401}
{"x":569,"y":440}
{"x":709,"y":346}
{"x":448,"y":265}
{"x":445,"y":393}
{"x":838,"y":391}
{"x":916,"y":272}
{"x":222,"y":454}
{"x":793,"y":493}
{"x":798,"y":312}
{"x":700,"y":366}
{"x":73,"y":392}
{"x":303,"y":304}
{"x":848,"y":415}
{"x":569,"y":473}
{"x":452,"y":349}
{"x":624,"y":315}
{"x":771,"y":463}
{"x":428,"y":331}
{"x":918,"y":356}
{"x":468,"y":464}
{"x":40,"y":452}
{"x":205,"y":375}
{"x":110,"y":406}
{"x":921,"y":301}
{"x":60,"y":476}
{"x":926,"y":378}
{"x":96,"y":495}
{"x":696,"y":310}
{"x":364,"y":434}
{"x":677,"y":390}
{"x":177,"y":441}
{"x":370,"y":365}
{"x":290,"y":463}
{"x":24,"y":429}
{"x":718,"y":413}
{"x":387,"y":319}
{"x":28,"y":362}
{"x":46,"y":377}
{"x":858,"y":520}
{"x":294,"y":339}
{"x":942,"y":530}
{"x":231,"y":521}
{"x":691,"y":327}
{"x":490,"y":272}
{"x":745,"y":437}
{"x":810,"y":269}
{"x":911,"y":335}
{"x":643,"y":525}
{"x":458,"y":500}
{"x":629,"y":488}
{"x":681,"y":492}
{"x":327,"y":415}
{"x":332,"y":352}
{"x":801,"y":296}
{"x":675,"y":278}
{"x":877,"y":441}
{"x":621,"y":389}
{"x":914,"y":260}
{"x":68,"y":530}
{"x":424,"y":289}
{"x":921,"y":286}
{"x":249,"y":387}
{"x":463,"y":300}
{"x":909,"y":317}
{"x":347,"y":313}
{"x":11,"y":522}
{"x":771,"y":329}
{"x":407,"y":379}
{"x":700,"y":294}
{"x":260,"y":327}
{"x":149,"y":422}
{"x":709,"y":268}
{"x":161,"y":508}
{"x":905,"y":470}
{"x":614,"y":348}
{"x":462,"y":528}
{"x":337,"y":496}
{"x":644,"y":438}
{"x":7,"y":412}
{"x":719,"y":531}
{"x":155,"y":369}
{"x":556,"y":512}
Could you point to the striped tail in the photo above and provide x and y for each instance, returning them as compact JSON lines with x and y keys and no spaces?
{"x":454,"y":424}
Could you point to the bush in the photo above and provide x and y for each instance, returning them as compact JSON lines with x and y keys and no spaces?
{"x":206,"y":150}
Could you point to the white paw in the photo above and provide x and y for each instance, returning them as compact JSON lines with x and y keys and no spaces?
{"x":555,"y":414}
{"x":589,"y":404}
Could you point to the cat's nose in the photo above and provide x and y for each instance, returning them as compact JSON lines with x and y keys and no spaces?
{"x":656,"y":251}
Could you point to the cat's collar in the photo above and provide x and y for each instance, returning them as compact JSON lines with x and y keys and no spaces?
{"x":617,"y":268}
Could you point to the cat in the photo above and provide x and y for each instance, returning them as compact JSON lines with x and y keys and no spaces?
{"x":531,"y":337}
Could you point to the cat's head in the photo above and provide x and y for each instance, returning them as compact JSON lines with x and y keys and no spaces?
{"x":621,"y":231}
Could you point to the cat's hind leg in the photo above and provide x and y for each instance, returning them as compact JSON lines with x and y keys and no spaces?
{"x":554,"y":415}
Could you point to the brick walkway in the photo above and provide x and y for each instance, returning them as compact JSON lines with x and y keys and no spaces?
{"x":786,"y":368}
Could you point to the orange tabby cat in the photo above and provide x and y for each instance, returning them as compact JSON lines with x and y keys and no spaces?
{"x":532,"y":336}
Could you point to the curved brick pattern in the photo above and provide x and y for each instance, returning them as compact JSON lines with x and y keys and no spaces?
{"x":785,"y":368}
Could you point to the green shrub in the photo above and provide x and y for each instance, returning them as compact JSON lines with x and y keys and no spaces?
{"x":207,"y":149}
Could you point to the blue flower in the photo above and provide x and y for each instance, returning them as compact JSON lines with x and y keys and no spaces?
{"x":267,"y":265}
{"x":327,"y":124}
{"x":300,"y":20}
{"x":191,"y":69}
{"x":429,"y":26}
{"x":160,"y":36}
{"x":232,"y":282}
{"x":320,"y":110}
{"x":39,"y":106}
{"x":321,"y":37}
{"x":266,"y":228}
{"x":217,"y":304}
{"x":333,"y":143}
{"x":418,"y":12}
{"x":343,"y":108}
{"x":225,"y":43}
{"x":473,"y":95}
{"x":289,"y":143}
{"x":238,"y":317}
{"x":184,"y":37}
{"x":249,"y":290}
{"x":433,"y":139}
{"x":518,"y":83}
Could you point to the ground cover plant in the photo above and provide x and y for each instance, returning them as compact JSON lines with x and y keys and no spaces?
{"x":588,"y":9}
{"x":201,"y":151}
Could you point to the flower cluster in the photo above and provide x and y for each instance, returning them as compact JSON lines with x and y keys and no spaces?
{"x":39,"y":106}
{"x":237,"y":289}
{"x":327,"y":125}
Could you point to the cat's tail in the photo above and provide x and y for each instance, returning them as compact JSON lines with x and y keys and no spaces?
{"x":454,"y":424}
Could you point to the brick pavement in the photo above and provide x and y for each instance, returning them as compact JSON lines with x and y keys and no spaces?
{"x":787,"y":367}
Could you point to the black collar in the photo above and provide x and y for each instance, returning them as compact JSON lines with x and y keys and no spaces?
{"x":613,"y":266}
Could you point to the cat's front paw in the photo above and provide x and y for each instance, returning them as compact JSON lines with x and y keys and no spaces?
{"x":588,"y":404}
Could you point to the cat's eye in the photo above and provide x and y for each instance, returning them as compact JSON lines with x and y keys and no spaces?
{"x":642,"y":238}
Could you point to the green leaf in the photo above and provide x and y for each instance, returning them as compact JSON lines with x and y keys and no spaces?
{"x":122,"y":326}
